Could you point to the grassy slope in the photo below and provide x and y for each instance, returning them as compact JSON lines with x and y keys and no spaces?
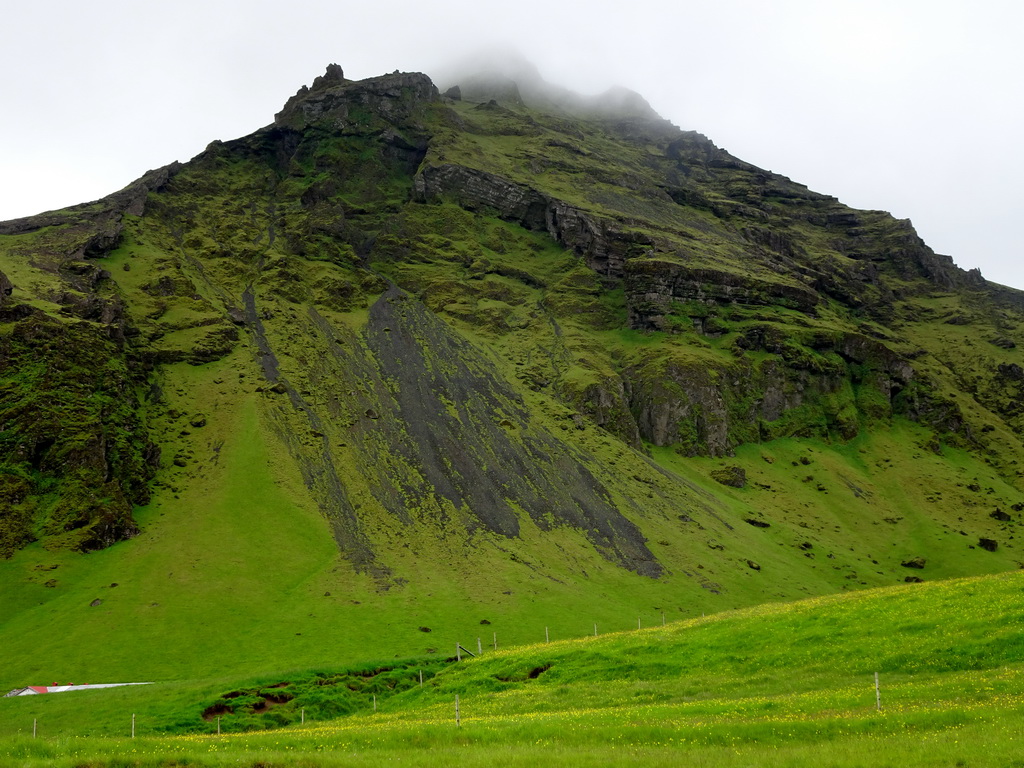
{"x":223,"y":585}
{"x":784,"y":684}
{"x":231,"y":571}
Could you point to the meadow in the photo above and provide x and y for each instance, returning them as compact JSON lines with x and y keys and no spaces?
{"x":775,"y":685}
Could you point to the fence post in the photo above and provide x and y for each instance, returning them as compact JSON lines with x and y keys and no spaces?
{"x":495,"y":641}
{"x":133,"y":725}
{"x":458,"y":719}
{"x":303,"y":715}
{"x":638,"y":622}
{"x":33,"y":727}
{"x":421,"y":678}
{"x":375,"y":702}
{"x":458,"y":652}
{"x":479,"y":647}
{"x":547,"y":637}
{"x":663,"y":618}
{"x":218,"y":725}
{"x":878,"y":694}
{"x":595,"y":630}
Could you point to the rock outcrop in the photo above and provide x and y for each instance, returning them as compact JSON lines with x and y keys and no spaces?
{"x":358,"y":106}
{"x":6,"y":289}
{"x":654,"y":285}
{"x":602,"y":242}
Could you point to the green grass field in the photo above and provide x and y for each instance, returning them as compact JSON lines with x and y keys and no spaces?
{"x":776,"y":685}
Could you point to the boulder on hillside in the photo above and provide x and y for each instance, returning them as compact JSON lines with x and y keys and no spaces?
{"x":734,"y":477}
{"x":917,"y":562}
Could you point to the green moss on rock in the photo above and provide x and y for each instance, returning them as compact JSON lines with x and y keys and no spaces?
{"x":74,"y":454}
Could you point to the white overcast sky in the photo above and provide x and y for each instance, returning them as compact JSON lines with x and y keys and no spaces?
{"x":911,"y":106}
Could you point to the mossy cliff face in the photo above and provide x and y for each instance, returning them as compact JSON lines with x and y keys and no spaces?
{"x":828,"y":387}
{"x":465,"y":321}
{"x":74,"y":454}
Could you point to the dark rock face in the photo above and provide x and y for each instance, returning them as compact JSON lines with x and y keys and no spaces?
{"x":710,"y":407}
{"x":606,"y":404}
{"x":6,"y":289}
{"x":673,"y":406}
{"x":474,"y":461}
{"x":332,"y":77}
{"x":989,"y":545}
{"x":73,"y":428}
{"x":916,"y":562}
{"x":439,"y":436}
{"x":604,"y":245}
{"x":1011,"y":372}
{"x":652,"y":285}
{"x":358,"y":106}
{"x":477,"y":190}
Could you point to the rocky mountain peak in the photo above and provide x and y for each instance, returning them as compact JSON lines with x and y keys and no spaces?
{"x":386,"y":99}
{"x":333,"y":76}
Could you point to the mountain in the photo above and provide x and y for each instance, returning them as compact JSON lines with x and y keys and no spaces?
{"x":401,"y":361}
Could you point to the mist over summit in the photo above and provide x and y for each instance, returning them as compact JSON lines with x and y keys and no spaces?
{"x":507,"y":76}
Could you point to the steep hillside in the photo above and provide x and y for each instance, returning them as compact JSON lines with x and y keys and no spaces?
{"x":403,"y":360}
